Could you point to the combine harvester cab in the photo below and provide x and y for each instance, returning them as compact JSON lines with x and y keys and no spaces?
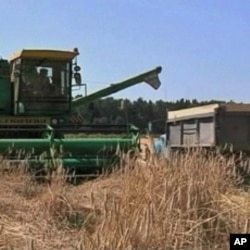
{"x":37,"y":106}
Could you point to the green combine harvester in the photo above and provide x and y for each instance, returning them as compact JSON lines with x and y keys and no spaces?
{"x":36,"y":111}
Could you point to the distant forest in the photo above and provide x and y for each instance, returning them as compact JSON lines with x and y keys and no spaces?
{"x":139,"y":112}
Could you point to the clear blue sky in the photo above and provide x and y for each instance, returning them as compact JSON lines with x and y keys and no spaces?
{"x":203,"y":46}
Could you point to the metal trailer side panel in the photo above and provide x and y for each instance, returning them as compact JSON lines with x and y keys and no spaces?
{"x":192,"y":132}
{"x":234,"y":129}
{"x":174,"y":134}
{"x":207,"y":135}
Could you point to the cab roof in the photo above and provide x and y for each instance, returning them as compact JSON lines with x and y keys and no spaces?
{"x":44,"y":53}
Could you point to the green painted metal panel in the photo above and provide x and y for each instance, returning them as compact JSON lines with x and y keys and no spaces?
{"x":92,"y":146}
{"x":82,"y":153}
{"x":5,"y":95}
{"x":40,"y":145}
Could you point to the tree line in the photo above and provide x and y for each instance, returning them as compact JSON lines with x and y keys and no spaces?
{"x":139,"y":112}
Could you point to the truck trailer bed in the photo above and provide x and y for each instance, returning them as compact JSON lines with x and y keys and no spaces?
{"x":210,"y":126}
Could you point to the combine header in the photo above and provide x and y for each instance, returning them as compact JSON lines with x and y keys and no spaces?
{"x":36,"y":107}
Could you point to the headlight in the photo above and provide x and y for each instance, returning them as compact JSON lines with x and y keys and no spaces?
{"x":54,"y":121}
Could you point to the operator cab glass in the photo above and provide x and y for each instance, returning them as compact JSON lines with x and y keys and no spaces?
{"x":42,"y":83}
{"x":45,"y":86}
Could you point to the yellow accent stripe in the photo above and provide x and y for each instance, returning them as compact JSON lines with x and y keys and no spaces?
{"x":77,"y":119}
{"x":24,"y":120}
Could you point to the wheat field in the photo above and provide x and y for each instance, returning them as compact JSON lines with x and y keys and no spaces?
{"x":190,"y":202}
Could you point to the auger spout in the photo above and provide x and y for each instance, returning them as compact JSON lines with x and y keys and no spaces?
{"x":150,"y":77}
